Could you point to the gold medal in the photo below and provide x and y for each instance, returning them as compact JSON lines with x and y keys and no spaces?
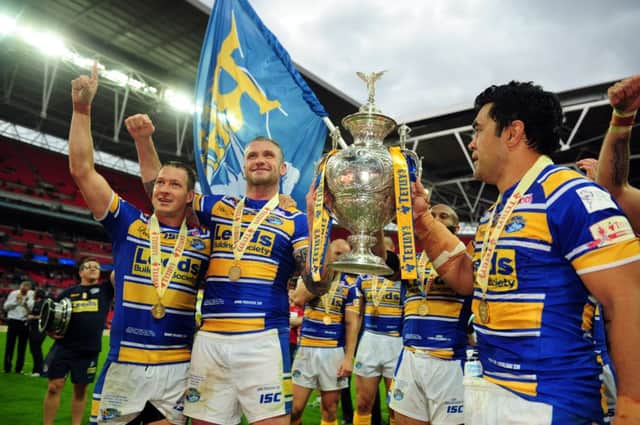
{"x":158,"y":311}
{"x":234,"y":273}
{"x":483,"y":311}
{"x":423,"y":310}
{"x":326,"y":320}
{"x":374,"y":310}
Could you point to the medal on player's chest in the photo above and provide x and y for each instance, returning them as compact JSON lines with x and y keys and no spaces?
{"x":483,"y":311}
{"x":423,"y":308}
{"x":424,"y":283}
{"x":240,"y":243}
{"x":161,"y":276}
{"x":234,"y":273}
{"x":327,"y":299}
{"x":377,"y":293}
{"x":158,"y":311}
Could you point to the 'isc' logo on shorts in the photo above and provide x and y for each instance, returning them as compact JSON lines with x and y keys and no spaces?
{"x":269,"y":398}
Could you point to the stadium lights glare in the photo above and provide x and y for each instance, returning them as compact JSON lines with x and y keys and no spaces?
{"x":7,"y":24}
{"x":179,"y":101}
{"x":54,"y":46}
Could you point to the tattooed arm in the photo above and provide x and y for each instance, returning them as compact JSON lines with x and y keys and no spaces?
{"x":613,"y":163}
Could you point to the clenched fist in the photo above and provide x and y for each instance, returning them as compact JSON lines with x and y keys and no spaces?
{"x":139,"y":126}
{"x":625,"y":95}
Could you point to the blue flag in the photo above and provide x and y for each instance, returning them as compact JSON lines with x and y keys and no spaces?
{"x":247,"y":86}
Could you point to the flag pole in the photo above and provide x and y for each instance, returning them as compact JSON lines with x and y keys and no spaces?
{"x":332,"y":128}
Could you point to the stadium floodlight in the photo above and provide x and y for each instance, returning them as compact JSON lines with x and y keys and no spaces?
{"x":179,"y":101}
{"x":54,"y":46}
{"x":48,"y":43}
{"x":118,"y":77}
{"x":7,"y":24}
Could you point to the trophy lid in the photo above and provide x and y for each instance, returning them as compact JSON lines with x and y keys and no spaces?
{"x":369,"y":126}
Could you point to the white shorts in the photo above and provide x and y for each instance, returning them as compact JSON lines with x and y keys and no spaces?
{"x":427,"y":388}
{"x":377,"y":355}
{"x":123,"y":390}
{"x":318,"y":368}
{"x":233,"y":375}
{"x":487,"y":403}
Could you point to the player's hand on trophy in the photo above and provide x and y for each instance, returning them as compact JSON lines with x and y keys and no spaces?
{"x":84,"y":88}
{"x":345,"y":368}
{"x":625,"y":95}
{"x":420,"y":198}
{"x":140,"y":126}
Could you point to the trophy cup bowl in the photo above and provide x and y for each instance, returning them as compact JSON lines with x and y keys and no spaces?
{"x":360,"y":179}
{"x":55,"y":316}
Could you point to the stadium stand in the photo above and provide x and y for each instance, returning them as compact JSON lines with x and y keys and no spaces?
{"x":45,"y":227}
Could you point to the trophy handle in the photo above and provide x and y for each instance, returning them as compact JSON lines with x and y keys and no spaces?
{"x":414,"y":163}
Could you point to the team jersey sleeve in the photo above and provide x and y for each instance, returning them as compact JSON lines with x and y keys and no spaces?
{"x":300,"y":238}
{"x":590,"y":229}
{"x":118,"y":217}
{"x":203,"y":207}
{"x":354,"y":297}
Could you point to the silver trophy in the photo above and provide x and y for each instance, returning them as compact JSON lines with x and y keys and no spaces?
{"x":55,"y":316}
{"x":360,"y":180}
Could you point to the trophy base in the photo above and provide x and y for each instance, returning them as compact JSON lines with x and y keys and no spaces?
{"x":361,"y":264}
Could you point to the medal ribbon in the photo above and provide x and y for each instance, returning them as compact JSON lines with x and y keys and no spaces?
{"x":160,"y":278}
{"x":376,"y":295}
{"x":425,"y":281}
{"x":328,"y":297}
{"x":489,"y":244}
{"x":321,"y":222}
{"x":240,"y":244}
{"x":404,"y":216}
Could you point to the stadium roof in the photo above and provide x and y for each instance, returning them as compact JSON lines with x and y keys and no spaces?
{"x":157,"y":43}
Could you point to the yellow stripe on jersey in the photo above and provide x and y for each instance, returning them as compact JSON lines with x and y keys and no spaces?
{"x":588,"y":312}
{"x":355,"y":308}
{"x":436,"y":308}
{"x":318,"y":315}
{"x":383,"y":310}
{"x":249,"y":269}
{"x":441,"y":354}
{"x":115,"y":202}
{"x":506,"y":315}
{"x":321,"y":343}
{"x":233,"y":325}
{"x":527,"y":388}
{"x":611,"y":254}
{"x":146,"y":294}
{"x":142,"y":356}
{"x":559,"y":178}
{"x":536,"y":227}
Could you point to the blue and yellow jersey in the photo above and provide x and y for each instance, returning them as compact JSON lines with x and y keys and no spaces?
{"x":600,"y":337}
{"x":387,"y":317}
{"x":136,"y":337}
{"x":442,"y":331}
{"x":258,"y":301}
{"x":538,"y":342}
{"x":314,"y":332}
